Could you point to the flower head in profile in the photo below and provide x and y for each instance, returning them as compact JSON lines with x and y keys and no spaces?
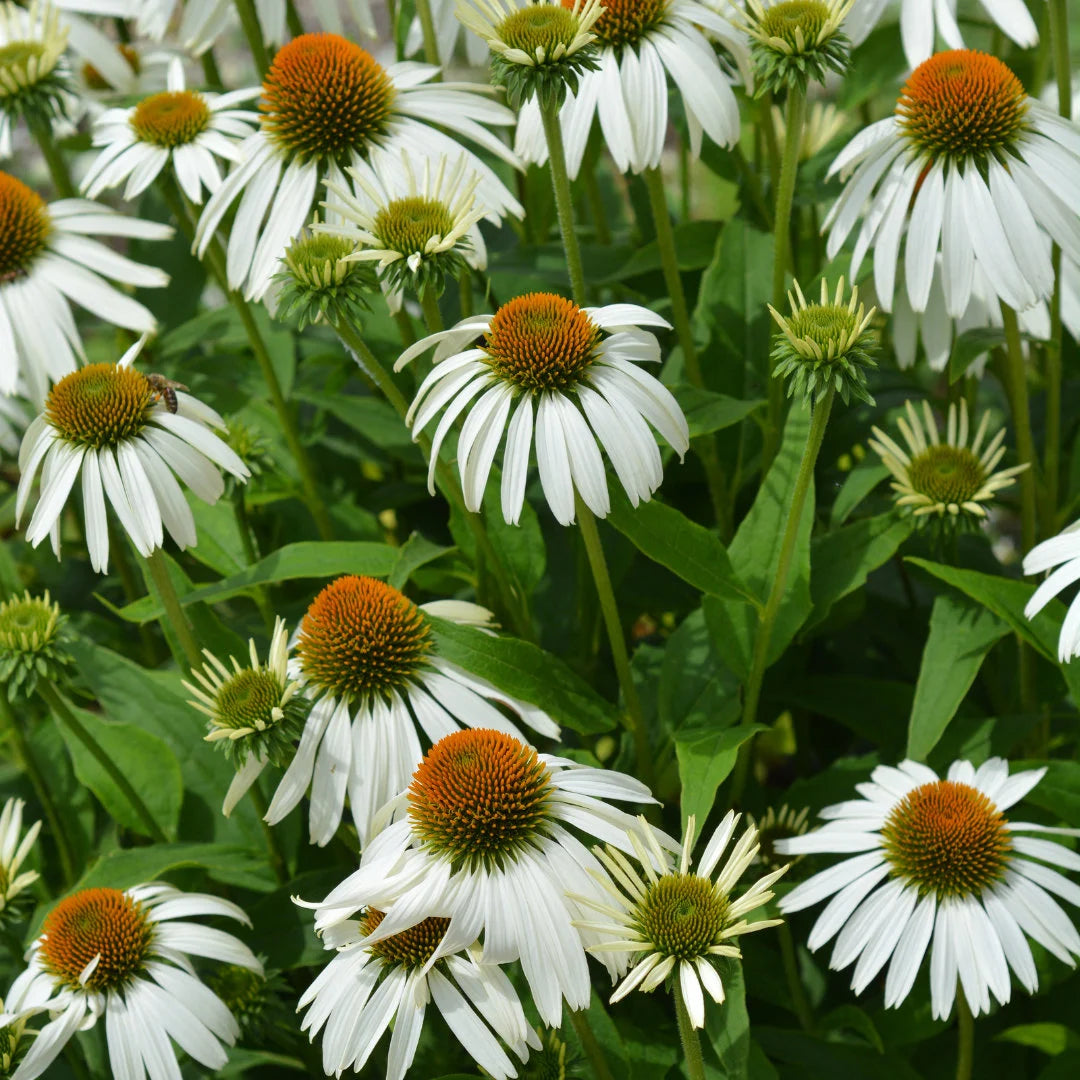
{"x":571,"y":378}
{"x":366,"y":657}
{"x":14,"y":849}
{"x":319,"y":282}
{"x":825,"y":346}
{"x":256,"y":711}
{"x":107,"y":424}
{"x":126,"y":956}
{"x":48,"y":258}
{"x":794,"y":41}
{"x":35,"y":82}
{"x":934,"y":863}
{"x":674,"y":921}
{"x":945,"y":477}
{"x":418,"y":230}
{"x":365,"y":987}
{"x":774,"y":826}
{"x":484,"y":837}
{"x":1061,"y":556}
{"x":969,"y":168}
{"x":186,"y":129}
{"x":33,"y":643}
{"x":539,"y":48}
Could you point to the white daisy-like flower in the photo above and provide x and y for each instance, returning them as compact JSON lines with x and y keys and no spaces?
{"x":47,"y":259}
{"x":922,"y":23}
{"x":366,"y":987}
{"x":14,"y":850}
{"x":417,"y":229}
{"x":110,"y":424}
{"x":256,"y":712}
{"x":674,"y":921}
{"x":365,"y":656}
{"x":107,"y":68}
{"x":533,"y":34}
{"x":579,"y":368}
{"x":326,"y":104}
{"x":125,"y":956}
{"x":944,"y":477}
{"x":485,"y":838}
{"x":935,"y":864}
{"x":969,"y":167}
{"x":1061,"y":555}
{"x":183,"y":128}
{"x":642,"y":43}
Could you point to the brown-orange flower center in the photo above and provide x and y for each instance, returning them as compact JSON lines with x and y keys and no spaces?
{"x":479,"y":797}
{"x":324,"y":97}
{"x":541,"y":341}
{"x":413,"y":947}
{"x":626,"y":22}
{"x":961,"y":104}
{"x":948,"y":839}
{"x":99,"y":405}
{"x":361,"y":637}
{"x":24,"y":227}
{"x":93,"y":923}
{"x":170,"y":119}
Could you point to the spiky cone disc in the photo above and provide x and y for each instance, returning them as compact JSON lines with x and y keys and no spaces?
{"x":33,"y":639}
{"x":317,"y":283}
{"x":35,"y":81}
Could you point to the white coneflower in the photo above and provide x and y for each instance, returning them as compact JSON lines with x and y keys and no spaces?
{"x":108,"y":424}
{"x":13,"y":852}
{"x":185,"y":128}
{"x":969,"y":167}
{"x":326,"y":104}
{"x":364,"y":654}
{"x":678,"y":922}
{"x":417,"y":230}
{"x":641,"y":43}
{"x":126,"y":956}
{"x":33,"y":643}
{"x":935,"y":864}
{"x":1063,"y":552}
{"x":256,"y":712}
{"x":35,"y":82}
{"x":945,"y":477}
{"x":365,"y":988}
{"x":578,"y":368}
{"x":485,"y":838}
{"x":921,"y":24}
{"x":47,"y":260}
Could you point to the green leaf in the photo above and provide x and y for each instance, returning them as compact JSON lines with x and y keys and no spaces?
{"x":669,"y":537}
{"x":694,"y":243}
{"x":143,"y":758}
{"x":241,"y":1059}
{"x":373,"y":418}
{"x":526,"y":672}
{"x":417,"y":551}
{"x":961,"y":634}
{"x":1058,"y":791}
{"x":857,"y":485}
{"x":728,"y":1027}
{"x":1050,"y":1038}
{"x":842,"y":559}
{"x":852,"y":1018}
{"x":706,"y":758}
{"x":707,"y":411}
{"x":970,"y":345}
{"x":694,"y":685}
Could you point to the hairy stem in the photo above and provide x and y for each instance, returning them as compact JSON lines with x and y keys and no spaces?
{"x":174,"y":611}
{"x":688,"y":1036}
{"x":564,"y":205}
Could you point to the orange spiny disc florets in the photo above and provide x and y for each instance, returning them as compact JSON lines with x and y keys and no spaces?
{"x":361,"y":637}
{"x":479,"y":796}
{"x":961,"y":104}
{"x":99,"y":405}
{"x":541,"y":341}
{"x":24,"y":227}
{"x":324,"y":97}
{"x":411,"y":948}
{"x":948,"y":839}
{"x":92,"y":923}
{"x":170,"y":119}
{"x":625,"y":22}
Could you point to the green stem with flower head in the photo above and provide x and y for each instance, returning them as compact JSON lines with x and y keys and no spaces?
{"x":67,"y":717}
{"x":766,"y":622}
{"x":635,"y":719}
{"x":965,"y":1037}
{"x":688,"y":1036}
{"x":705,"y":446}
{"x":211,"y":74}
{"x":41,"y":788}
{"x":273,"y":846}
{"x":564,"y":203}
{"x":175,"y":617}
{"x":429,"y":305}
{"x":785,"y":194}
{"x":249,"y":20}
{"x":41,"y":129}
{"x":427,"y":30}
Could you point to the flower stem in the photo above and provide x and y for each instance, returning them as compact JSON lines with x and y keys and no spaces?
{"x":1016,"y":390}
{"x":273,"y":846}
{"x":54,"y":157}
{"x":29,"y":765}
{"x":405,"y":327}
{"x":610,"y":609}
{"x":704,"y":447}
{"x":429,"y":305}
{"x":592,"y":1048}
{"x":1059,"y":32}
{"x":174,"y":612}
{"x":68,"y":718}
{"x":211,"y":74}
{"x":427,"y":29}
{"x":564,"y":204}
{"x":249,"y":20}
{"x":965,"y":1037}
{"x":767,"y":620}
{"x":688,"y":1036}
{"x":790,"y":958}
{"x":785,"y":193}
